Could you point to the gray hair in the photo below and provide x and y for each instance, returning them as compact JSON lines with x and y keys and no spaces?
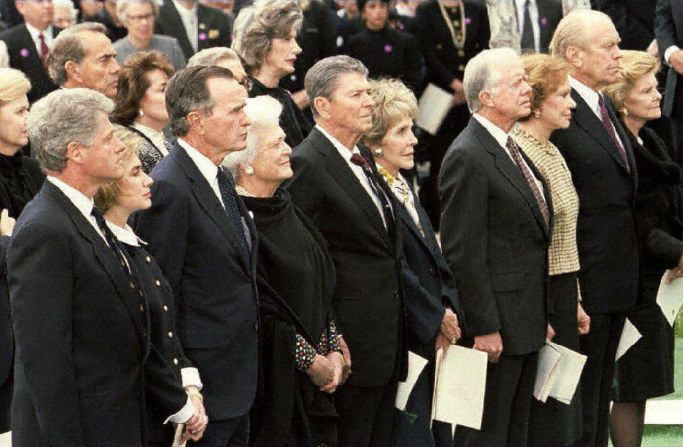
{"x":321,"y":79}
{"x":62,"y":117}
{"x":263,"y":112}
{"x":211,"y":56}
{"x":187,"y":92}
{"x":482,"y":73}
{"x":67,"y":4}
{"x":68,"y":46}
{"x":256,"y":27}
{"x":122,"y":8}
{"x":575,"y":30}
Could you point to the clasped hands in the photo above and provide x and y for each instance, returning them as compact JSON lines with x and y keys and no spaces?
{"x":332,"y":370}
{"x":449,"y":332}
{"x":195,"y":426}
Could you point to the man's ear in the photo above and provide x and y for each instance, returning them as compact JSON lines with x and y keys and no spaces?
{"x":196,"y":121}
{"x":75,"y":153}
{"x":73,"y":71}
{"x":322,"y":106}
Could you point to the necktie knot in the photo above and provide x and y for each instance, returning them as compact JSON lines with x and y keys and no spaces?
{"x":359,"y":160}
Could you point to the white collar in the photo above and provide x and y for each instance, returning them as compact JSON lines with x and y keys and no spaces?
{"x":343,"y":150}
{"x":183,"y":10}
{"x":587,"y":94}
{"x":84,"y":203}
{"x":35,"y":32}
{"x":496,"y":132}
{"x":156,"y":137}
{"x":205,"y":166}
{"x":125,"y":235}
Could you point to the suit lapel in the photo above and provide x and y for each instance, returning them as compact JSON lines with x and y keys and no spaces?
{"x":176,"y":23}
{"x":544,"y":29}
{"x":32,"y":62}
{"x":342,"y":174}
{"x":105,"y":255}
{"x":209,"y":202}
{"x":586,"y":119}
{"x":507,"y":167}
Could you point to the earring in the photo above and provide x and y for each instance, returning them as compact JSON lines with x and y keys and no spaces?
{"x":249,"y":171}
{"x":141,"y":113}
{"x":624,"y":112}
{"x":378,"y":152}
{"x":537,"y":114}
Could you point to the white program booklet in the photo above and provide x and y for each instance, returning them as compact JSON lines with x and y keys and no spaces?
{"x":434,"y":105}
{"x":670,"y":298}
{"x":416,"y":364}
{"x":629,"y":336}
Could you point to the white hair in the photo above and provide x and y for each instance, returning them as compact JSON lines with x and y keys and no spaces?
{"x":264,"y":113}
{"x":483,"y":72}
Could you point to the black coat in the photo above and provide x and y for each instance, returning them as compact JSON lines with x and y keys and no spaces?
{"x":367,"y":300}
{"x":213,"y":282}
{"x":634,"y":20}
{"x":24,"y":56}
{"x":669,"y":32}
{"x":495,"y":240}
{"x":20,"y":180}
{"x":606,"y":229}
{"x":113,"y":31}
{"x":79,"y":361}
{"x":549,"y":16}
{"x":214,"y":27}
{"x":388,"y":53}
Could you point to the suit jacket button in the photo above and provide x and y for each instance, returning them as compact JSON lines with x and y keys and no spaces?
{"x":170,"y":335}
{"x":175,"y":362}
{"x":142,"y":308}
{"x":158,"y":283}
{"x":132,"y":286}
{"x":148,"y":259}
{"x":165,"y":308}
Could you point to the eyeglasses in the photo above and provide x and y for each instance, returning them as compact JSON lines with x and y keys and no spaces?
{"x":47,"y":2}
{"x":141,"y":17}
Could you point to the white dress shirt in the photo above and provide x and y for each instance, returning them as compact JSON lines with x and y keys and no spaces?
{"x":533,"y":15}
{"x":206,"y":167}
{"x":190,"y":22}
{"x":592,"y":98}
{"x":501,"y":138}
{"x":157,"y":138}
{"x":35,"y":33}
{"x":357,"y":170}
{"x":190,"y":376}
{"x":83,"y":203}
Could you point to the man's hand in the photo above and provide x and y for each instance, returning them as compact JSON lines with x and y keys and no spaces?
{"x":549,"y":333}
{"x":346,"y":370}
{"x":195,"y":426}
{"x":492,"y":344}
{"x":300,"y":99}
{"x":450,"y":327}
{"x":674,"y":273}
{"x":321,"y":371}
{"x":457,"y":86}
{"x":676,"y":61}
{"x":583,"y":320}
{"x":441,"y":342}
{"x":6,"y":223}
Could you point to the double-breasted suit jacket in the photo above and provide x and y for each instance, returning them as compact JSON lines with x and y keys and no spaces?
{"x":213,"y":280}
{"x":80,"y":329}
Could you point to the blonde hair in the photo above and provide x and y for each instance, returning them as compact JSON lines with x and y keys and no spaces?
{"x":633,"y":66}
{"x":393,"y":102}
{"x":545,"y":74}
{"x":13,"y":84}
{"x":105,"y":197}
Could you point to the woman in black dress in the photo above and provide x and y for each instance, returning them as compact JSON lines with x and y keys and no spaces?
{"x":265,"y":37}
{"x":385,"y":51}
{"x":646,"y":370}
{"x":302,"y":358}
{"x":172,"y":385}
{"x":428,"y":285}
{"x":141,"y":103}
{"x":20,"y":180}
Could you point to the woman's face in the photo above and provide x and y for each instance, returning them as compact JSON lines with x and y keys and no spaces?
{"x":140,"y":20}
{"x":135,"y":192}
{"x":398,"y":147}
{"x":642,"y":100}
{"x":376,"y":14}
{"x":14,"y":125}
{"x":556,"y":109}
{"x":153,"y":104}
{"x":271,"y":164}
{"x":282,"y":54}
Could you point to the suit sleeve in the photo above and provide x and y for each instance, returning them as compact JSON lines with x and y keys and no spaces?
{"x":665,"y":29}
{"x":464,"y":197}
{"x":41,"y":289}
{"x":425,"y":311}
{"x":162,"y":384}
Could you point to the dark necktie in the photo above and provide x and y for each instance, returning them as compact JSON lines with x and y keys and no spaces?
{"x":529,"y":177}
{"x":44,"y":50}
{"x":227,"y":189}
{"x":609,"y":127}
{"x":361,"y":161}
{"x":528,"y":41}
{"x":112,"y":242}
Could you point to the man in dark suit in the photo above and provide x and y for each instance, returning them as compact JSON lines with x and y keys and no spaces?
{"x":205,"y":243}
{"x":80,"y":324}
{"x":598,"y":154}
{"x":29,"y":44}
{"x":633,"y":19}
{"x":669,"y":33}
{"x":196,"y":26}
{"x":537,"y":20}
{"x":495,"y":235}
{"x":336,"y":186}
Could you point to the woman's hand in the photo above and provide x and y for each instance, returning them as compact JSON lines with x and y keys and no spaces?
{"x":6,"y":223}
{"x":195,"y":426}
{"x":337,"y":360}
{"x":583,"y":320}
{"x":346,"y":370}
{"x":321,"y":371}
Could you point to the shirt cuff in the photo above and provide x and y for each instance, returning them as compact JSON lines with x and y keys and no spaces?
{"x":191,"y":378}
{"x":183,"y":415}
{"x":669,"y":51}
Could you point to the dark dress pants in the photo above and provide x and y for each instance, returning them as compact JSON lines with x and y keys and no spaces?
{"x":367,"y":416}
{"x":233,"y":432}
{"x":600,"y":345}
{"x":507,"y":404}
